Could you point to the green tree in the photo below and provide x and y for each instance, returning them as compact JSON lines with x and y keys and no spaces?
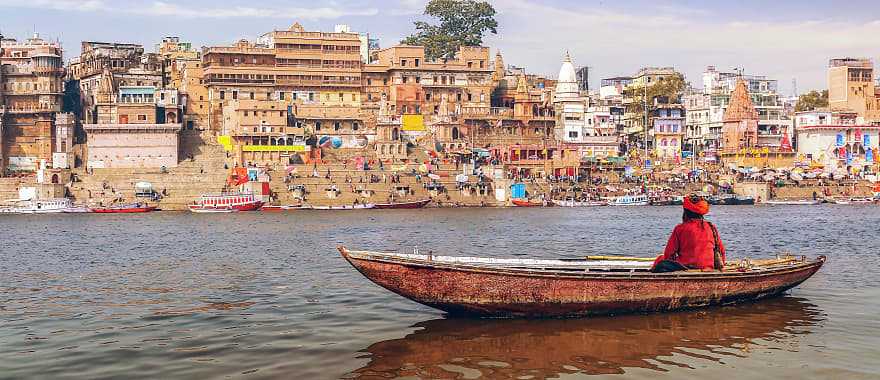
{"x":462,"y":23}
{"x":812,"y":100}
{"x":666,"y":90}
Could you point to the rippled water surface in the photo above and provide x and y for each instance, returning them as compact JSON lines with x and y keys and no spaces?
{"x":250,"y":295}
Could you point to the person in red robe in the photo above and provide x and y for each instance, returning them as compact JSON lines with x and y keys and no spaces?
{"x":694,"y":244}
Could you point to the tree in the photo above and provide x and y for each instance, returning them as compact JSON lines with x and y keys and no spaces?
{"x":462,"y":23}
{"x":812,"y":100}
{"x":666,"y":90}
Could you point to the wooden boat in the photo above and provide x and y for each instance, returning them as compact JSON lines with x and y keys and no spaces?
{"x":279,"y":208}
{"x":522,"y":202}
{"x":225,"y":202}
{"x":124,"y":209}
{"x":533,"y":288}
{"x":573,"y":203}
{"x":789,"y":202}
{"x":630,"y":200}
{"x":211,"y":209}
{"x":404,"y":205}
{"x":363,"y":206}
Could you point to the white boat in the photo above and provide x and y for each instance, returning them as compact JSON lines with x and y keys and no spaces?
{"x":39,"y":206}
{"x":342,"y":207}
{"x":573,"y":203}
{"x":630,"y":200}
{"x":789,"y":202}
{"x":211,"y":209}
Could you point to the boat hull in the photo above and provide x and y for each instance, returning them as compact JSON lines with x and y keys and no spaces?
{"x":509,"y":293}
{"x":525,"y":203}
{"x":129,"y":210}
{"x":403,"y":205}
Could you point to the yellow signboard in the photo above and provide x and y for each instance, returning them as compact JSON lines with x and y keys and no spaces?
{"x":226,"y":141}
{"x":413,"y":123}
{"x":273,"y":148}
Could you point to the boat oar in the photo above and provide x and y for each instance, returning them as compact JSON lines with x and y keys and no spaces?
{"x":624,"y":258}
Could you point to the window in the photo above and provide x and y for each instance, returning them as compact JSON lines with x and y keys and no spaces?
{"x":317,"y":125}
{"x":222,"y":95}
{"x":245,"y":113}
{"x":311,"y":96}
{"x":142,"y":117}
{"x":470,"y":65}
{"x":385,"y":81}
{"x":417,"y":62}
{"x":458,"y":96}
{"x":428,"y":97}
{"x":355,"y":126}
{"x":418,"y":109}
{"x":482,"y":64}
{"x":252,"y":95}
{"x":337,"y":125}
{"x":418,"y":79}
{"x":369,"y":97}
{"x":280,"y":96}
{"x":572,"y":134}
{"x":340,"y":96}
{"x":234,"y":94}
{"x":470,"y":96}
{"x":403,"y":62}
{"x":369,"y":82}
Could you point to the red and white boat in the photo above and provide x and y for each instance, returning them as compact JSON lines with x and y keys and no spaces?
{"x":226,"y":202}
{"x":124,"y":209}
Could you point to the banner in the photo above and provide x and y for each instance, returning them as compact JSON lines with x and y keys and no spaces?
{"x":866,"y":140}
{"x":840,"y":139}
{"x":413,"y":123}
{"x":869,"y":155}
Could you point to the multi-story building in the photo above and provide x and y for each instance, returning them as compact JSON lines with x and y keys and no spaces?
{"x":637,"y":106}
{"x":127,"y":64}
{"x":837,"y":139}
{"x":706,"y":109}
{"x":134,"y":125}
{"x":577,"y":123}
{"x":263,"y":132}
{"x":175,"y":56}
{"x":851,"y":87}
{"x":32,"y":73}
{"x":668,"y":131}
{"x":435,"y":97}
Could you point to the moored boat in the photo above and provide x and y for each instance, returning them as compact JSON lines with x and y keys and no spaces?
{"x":404,"y":205}
{"x":279,"y":208}
{"x":630,"y":200}
{"x":225,"y":202}
{"x":39,"y":206}
{"x":574,"y":203}
{"x":792,"y":202}
{"x":489,"y":287}
{"x":362,"y":206}
{"x":124,"y":209}
{"x":522,"y":202}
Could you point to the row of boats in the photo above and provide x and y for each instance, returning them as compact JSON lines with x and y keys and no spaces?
{"x":633,"y":200}
{"x":237,"y":202}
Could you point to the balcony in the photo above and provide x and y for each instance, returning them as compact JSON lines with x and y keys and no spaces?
{"x":486,"y":112}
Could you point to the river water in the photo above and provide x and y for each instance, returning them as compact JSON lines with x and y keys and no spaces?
{"x":251,"y":295}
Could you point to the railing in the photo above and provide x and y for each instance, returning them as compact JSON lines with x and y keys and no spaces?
{"x":239,"y":49}
{"x":32,"y":109}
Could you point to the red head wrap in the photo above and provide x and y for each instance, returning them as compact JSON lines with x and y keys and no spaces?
{"x":696,"y":204}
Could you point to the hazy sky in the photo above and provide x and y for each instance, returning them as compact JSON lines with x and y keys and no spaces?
{"x":781,"y":39}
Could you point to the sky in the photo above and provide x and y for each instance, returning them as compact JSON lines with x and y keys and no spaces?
{"x":782,"y":39}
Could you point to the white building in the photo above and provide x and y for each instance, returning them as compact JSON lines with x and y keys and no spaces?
{"x":590,"y":128}
{"x":836,"y":139}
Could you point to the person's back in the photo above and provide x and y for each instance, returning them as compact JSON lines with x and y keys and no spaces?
{"x":693,"y":243}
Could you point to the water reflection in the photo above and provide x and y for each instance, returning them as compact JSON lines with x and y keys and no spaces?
{"x":467,"y":348}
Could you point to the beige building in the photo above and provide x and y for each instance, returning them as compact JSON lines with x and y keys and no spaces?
{"x":131,"y":130}
{"x":31,"y":79}
{"x":262,"y":132}
{"x":851,"y":87}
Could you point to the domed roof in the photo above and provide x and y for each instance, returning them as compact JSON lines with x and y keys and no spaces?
{"x":566,"y":72}
{"x":566,"y":84}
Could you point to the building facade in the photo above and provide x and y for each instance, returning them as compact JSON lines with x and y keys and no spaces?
{"x":851,"y":87}
{"x":837,"y":139}
{"x":32,"y":82}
